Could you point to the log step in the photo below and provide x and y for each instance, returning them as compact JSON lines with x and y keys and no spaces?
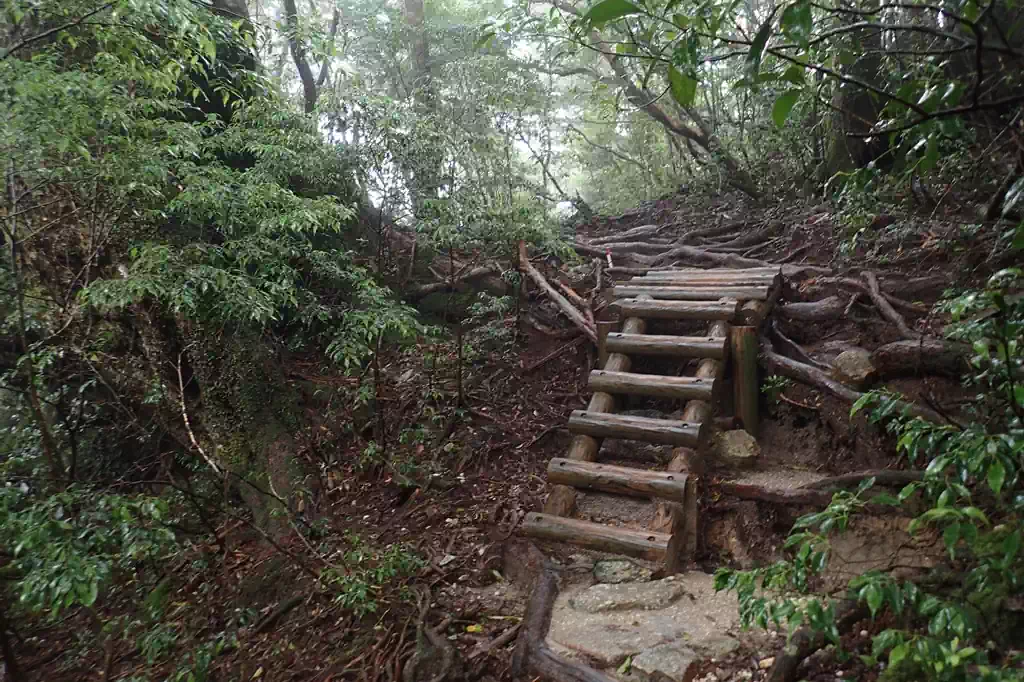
{"x":657,"y":386}
{"x":678,"y":310}
{"x":621,"y":480}
{"x":677,"y":346}
{"x":716,"y":272}
{"x":703,"y":282}
{"x":643,"y":544}
{"x":680,"y":293}
{"x":605,"y":425}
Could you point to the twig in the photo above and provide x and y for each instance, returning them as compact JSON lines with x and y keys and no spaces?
{"x":184,"y":417}
{"x":496,"y":643}
{"x":886,"y":309}
{"x":797,"y":403}
{"x":554,"y":354}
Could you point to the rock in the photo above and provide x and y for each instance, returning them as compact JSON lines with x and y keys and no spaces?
{"x":854,"y":367}
{"x":615,"y":571}
{"x":521,"y":561}
{"x":643,"y":596}
{"x":695,"y":621}
{"x":737,"y":448}
{"x":766,"y":663}
{"x":718,"y":646}
{"x":673,"y":661}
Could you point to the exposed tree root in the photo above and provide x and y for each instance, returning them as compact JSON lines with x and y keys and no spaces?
{"x":830,"y":308}
{"x":886,"y":309}
{"x":887,"y":477}
{"x":807,"y":640}
{"x":532,"y":654}
{"x":924,"y":356}
{"x":792,"y":349}
{"x":633,"y":233}
{"x":813,"y":376}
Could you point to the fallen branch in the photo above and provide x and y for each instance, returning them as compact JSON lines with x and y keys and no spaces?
{"x":886,"y":309}
{"x":813,"y":376}
{"x":567,"y":308}
{"x":450,"y":283}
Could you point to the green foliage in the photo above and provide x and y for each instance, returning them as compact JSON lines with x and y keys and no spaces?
{"x":367,"y":574}
{"x":956,"y":623}
{"x":70,"y":546}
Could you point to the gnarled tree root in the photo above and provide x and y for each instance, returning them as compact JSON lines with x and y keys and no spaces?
{"x":806,"y":641}
{"x":532,"y":654}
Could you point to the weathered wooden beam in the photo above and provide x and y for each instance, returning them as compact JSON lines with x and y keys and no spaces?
{"x":603,"y":425}
{"x":714,"y":272}
{"x":678,"y":346}
{"x":679,"y":310}
{"x":689,"y":459}
{"x":615,"y":479}
{"x":681,"y":293}
{"x":656,"y":386}
{"x":644,"y":544}
{"x":584,"y":448}
{"x":753,"y":313}
{"x":603,"y":329}
{"x":746,"y":387}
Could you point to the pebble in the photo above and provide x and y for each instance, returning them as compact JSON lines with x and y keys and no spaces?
{"x":766,"y":663}
{"x":863,"y":633}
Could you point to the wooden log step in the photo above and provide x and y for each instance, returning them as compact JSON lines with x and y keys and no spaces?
{"x":677,"y":346}
{"x":643,"y":544}
{"x":716,"y":272}
{"x":606,"y":425}
{"x":620,"y":480}
{"x":678,"y":293}
{"x":703,"y":282}
{"x":654,"y":385}
{"x":679,"y":310}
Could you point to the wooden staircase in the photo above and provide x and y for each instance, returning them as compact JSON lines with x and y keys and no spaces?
{"x":733,"y":303}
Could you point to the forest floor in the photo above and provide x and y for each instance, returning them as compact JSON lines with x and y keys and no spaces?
{"x":489,"y":470}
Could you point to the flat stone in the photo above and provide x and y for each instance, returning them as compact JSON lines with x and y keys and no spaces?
{"x":628,"y":596}
{"x":718,"y":646}
{"x":615,"y":571}
{"x":737,"y":448}
{"x":854,"y":367}
{"x":696,"y":619}
{"x":676,"y":662}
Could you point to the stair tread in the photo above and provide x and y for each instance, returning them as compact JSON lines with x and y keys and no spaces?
{"x":654,"y":385}
{"x":723,"y":309}
{"x":608,"y":425}
{"x":629,"y":541}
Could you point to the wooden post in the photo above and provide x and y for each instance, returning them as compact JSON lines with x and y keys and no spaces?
{"x":745,"y":385}
{"x":603,"y":329}
{"x":682,"y":544}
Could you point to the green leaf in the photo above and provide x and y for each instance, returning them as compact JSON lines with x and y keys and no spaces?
{"x":898,"y":653}
{"x":931,"y":155}
{"x":996,"y":476}
{"x":760,"y":40}
{"x":610,"y":10}
{"x":872,"y":594}
{"x":783,"y":105}
{"x":684,"y":87}
{"x":794,"y":74}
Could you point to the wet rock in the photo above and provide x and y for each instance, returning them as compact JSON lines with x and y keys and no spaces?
{"x":737,"y":448}
{"x":719,"y":646}
{"x":625,"y":596}
{"x":673,"y":661}
{"x":854,"y":368}
{"x":615,"y":571}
